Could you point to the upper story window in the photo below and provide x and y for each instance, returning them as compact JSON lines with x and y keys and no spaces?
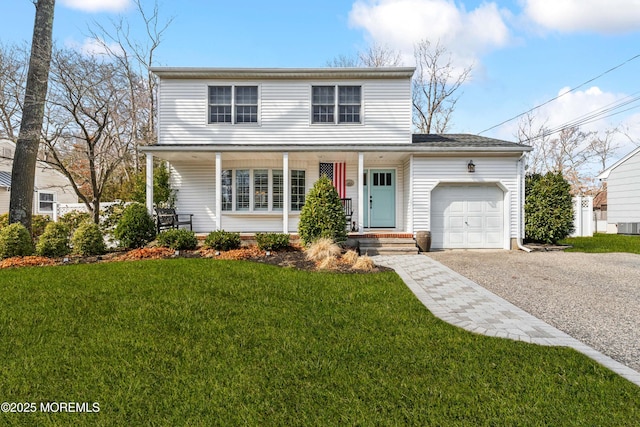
{"x":347,"y":103}
{"x":233,"y":104}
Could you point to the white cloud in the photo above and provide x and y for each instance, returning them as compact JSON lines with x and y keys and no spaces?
{"x":588,"y":110}
{"x":97,"y":5}
{"x":93,"y":47}
{"x":610,"y":16}
{"x":400,"y":24}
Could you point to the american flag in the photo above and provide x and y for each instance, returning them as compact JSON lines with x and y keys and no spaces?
{"x":337,"y":173}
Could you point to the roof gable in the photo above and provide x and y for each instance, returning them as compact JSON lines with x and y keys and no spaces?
{"x":604,"y":175}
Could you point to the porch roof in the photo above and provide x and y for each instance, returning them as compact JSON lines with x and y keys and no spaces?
{"x":434,"y":144}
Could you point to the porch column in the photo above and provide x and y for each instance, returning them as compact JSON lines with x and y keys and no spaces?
{"x":285,"y":192}
{"x":149,"y":183}
{"x":218,"y":173}
{"x":361,"y":201}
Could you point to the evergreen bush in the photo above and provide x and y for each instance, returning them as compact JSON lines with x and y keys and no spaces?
{"x":136,"y":227}
{"x":548,"y":208}
{"x":88,"y":240}
{"x":38,"y":224}
{"x":322,"y":215}
{"x":54,"y":242}
{"x":73,"y":219}
{"x":272,"y":241}
{"x":222,"y":240}
{"x":179,"y":239}
{"x":15,"y":240}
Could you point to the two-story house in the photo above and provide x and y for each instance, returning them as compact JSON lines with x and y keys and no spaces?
{"x":245,"y":145}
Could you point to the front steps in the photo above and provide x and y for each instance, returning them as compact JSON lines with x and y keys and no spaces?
{"x":386,"y":244}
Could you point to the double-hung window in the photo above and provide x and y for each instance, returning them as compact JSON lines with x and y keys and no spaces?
{"x":260,"y":190}
{"x":233,"y":104}
{"x":347,"y":103}
{"x":45,"y":201}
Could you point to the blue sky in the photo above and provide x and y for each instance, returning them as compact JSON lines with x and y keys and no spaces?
{"x":524,"y":52}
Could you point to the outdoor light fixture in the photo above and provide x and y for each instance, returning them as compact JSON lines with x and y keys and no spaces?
{"x":471,"y":167}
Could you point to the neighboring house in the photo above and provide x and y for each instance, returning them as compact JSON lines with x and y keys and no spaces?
{"x":246,"y":145}
{"x":623,"y":194}
{"x":50,"y":185}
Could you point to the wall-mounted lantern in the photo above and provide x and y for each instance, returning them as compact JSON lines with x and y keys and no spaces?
{"x":471,"y":167}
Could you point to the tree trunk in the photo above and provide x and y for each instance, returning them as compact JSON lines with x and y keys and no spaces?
{"x":24,"y":161}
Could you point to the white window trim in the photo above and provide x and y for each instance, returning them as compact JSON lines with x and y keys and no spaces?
{"x":336,"y":105}
{"x":55,"y":198}
{"x":252,"y":209}
{"x":233,"y":105}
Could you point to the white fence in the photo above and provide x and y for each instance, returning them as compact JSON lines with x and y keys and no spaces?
{"x":60,"y":209}
{"x":583,"y":219}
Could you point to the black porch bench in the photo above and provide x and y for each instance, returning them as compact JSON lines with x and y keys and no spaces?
{"x":168,"y":218}
{"x":347,"y":205}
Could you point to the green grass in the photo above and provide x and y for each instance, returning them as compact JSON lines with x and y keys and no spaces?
{"x":210,"y":342}
{"x":601,"y":242}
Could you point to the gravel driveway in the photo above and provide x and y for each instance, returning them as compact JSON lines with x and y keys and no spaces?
{"x":595,"y":298}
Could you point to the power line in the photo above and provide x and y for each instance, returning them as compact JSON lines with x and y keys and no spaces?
{"x":562,"y":94}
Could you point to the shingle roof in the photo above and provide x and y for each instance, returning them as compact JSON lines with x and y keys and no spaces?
{"x":455,"y":140}
{"x":5,"y":179}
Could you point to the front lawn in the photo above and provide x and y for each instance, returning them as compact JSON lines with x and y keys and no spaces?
{"x":212,"y":342}
{"x":601,"y":242}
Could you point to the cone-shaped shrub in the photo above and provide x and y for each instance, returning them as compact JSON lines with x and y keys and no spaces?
{"x":322,"y":215}
{"x":548,"y":208}
{"x":136,"y":227}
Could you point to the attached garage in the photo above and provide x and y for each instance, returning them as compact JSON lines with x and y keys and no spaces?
{"x":467,"y":216}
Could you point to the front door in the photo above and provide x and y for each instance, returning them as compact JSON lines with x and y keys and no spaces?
{"x":381,"y":198}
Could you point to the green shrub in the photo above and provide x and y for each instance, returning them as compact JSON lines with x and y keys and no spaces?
{"x":179,"y":239}
{"x":73,"y":219}
{"x":15,"y":240}
{"x":322,"y":215}
{"x":272,"y":241}
{"x":88,"y":239}
{"x":548,"y":208}
{"x":110,"y":217}
{"x":4,"y":220}
{"x":136,"y":227}
{"x":38,"y":224}
{"x":222,"y":240}
{"x":54,"y":242}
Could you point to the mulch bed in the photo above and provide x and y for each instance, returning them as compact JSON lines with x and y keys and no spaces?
{"x":293,"y":257}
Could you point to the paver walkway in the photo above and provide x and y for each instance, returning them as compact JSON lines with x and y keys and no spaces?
{"x":462,"y":302}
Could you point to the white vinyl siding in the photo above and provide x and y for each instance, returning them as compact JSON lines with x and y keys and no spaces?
{"x":195,"y":183}
{"x":623,"y":192}
{"x":285,"y":114}
{"x":429,"y":172}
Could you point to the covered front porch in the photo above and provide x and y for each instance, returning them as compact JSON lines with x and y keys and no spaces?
{"x":262,"y":189}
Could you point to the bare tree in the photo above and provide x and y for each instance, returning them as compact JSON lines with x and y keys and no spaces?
{"x":24,"y":162}
{"x":135,"y":58}
{"x":88,"y":137}
{"x":577,"y":154}
{"x":13,"y":78}
{"x":435,"y":86}
{"x":374,"y":56}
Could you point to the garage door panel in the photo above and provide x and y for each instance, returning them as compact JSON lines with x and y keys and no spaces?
{"x":467,"y":216}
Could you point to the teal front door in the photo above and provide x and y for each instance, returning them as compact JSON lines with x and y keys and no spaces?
{"x":381,"y":198}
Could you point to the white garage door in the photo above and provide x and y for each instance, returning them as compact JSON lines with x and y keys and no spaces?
{"x":467,"y":216}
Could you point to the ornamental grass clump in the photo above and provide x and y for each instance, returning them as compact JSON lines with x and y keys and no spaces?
{"x":322,"y":249}
{"x":322,"y":214}
{"x":15,"y":240}
{"x":350,"y":257}
{"x":54,"y":242}
{"x":363,"y":263}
